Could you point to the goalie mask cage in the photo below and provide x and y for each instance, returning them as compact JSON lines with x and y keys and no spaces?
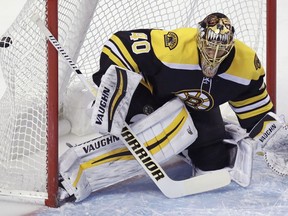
{"x":37,"y":83}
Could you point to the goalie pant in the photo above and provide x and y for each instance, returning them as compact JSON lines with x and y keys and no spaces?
{"x":105,"y":160}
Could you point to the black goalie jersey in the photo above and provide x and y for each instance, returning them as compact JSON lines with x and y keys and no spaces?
{"x":170,"y":64}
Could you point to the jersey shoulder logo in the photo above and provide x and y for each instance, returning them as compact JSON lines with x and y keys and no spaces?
{"x":197,"y":99}
{"x":171,"y":40}
{"x":257,"y":62}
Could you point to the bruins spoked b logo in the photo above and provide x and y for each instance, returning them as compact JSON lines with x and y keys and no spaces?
{"x":171,"y":40}
{"x":196,"y":99}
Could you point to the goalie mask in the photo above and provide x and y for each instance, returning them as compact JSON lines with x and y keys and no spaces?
{"x":215,"y":41}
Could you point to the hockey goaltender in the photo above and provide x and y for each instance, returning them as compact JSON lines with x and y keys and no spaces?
{"x":167,"y":85}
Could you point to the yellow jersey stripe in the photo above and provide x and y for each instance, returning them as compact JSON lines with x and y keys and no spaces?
{"x":113,"y":57}
{"x":249,"y":100}
{"x":253,"y":106}
{"x":118,"y":62}
{"x":125,"y":52}
{"x":255,"y":112}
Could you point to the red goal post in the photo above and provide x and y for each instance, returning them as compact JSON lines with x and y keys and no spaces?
{"x":271,"y":44}
{"x":37,"y":82}
{"x":52,"y":107}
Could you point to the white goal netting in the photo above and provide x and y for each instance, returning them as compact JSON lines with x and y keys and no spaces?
{"x":84,"y":26}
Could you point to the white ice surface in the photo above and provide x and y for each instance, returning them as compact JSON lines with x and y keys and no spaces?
{"x":267,"y":195}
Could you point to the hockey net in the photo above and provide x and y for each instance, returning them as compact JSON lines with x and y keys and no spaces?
{"x":84,"y":26}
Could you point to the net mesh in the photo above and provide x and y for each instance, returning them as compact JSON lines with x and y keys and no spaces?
{"x":84,"y":26}
{"x":23,"y":108}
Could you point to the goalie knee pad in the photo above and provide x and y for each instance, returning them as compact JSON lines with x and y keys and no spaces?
{"x":170,"y":127}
